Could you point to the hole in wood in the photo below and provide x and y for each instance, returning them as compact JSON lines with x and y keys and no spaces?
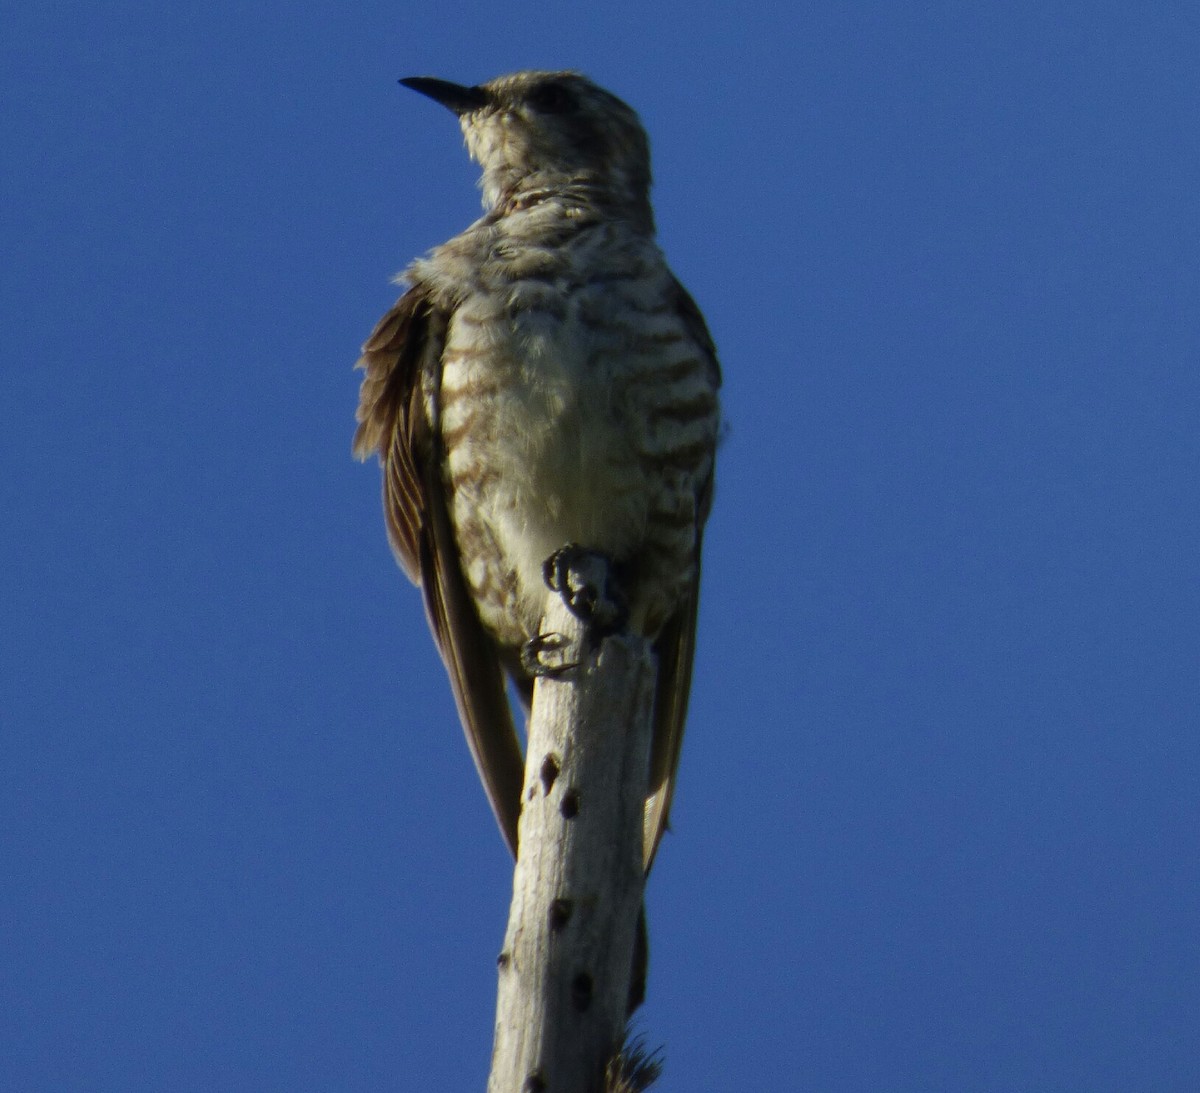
{"x":570,"y":805}
{"x":581,"y":991}
{"x":535,"y":1083}
{"x":549,"y":772}
{"x":502,"y":961}
{"x":560,"y":914}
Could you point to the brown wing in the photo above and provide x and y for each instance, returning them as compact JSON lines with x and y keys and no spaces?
{"x":676,"y":644}
{"x":397,"y":415}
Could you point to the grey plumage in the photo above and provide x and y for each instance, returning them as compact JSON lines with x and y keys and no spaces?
{"x":545,"y":380}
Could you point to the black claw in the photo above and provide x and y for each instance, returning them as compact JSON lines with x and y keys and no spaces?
{"x":585,"y":580}
{"x":552,"y":568}
{"x":531,"y":657}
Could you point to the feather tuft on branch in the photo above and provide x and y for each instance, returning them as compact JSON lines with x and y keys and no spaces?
{"x":634,"y":1068}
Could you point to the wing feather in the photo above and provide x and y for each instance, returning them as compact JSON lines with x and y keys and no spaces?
{"x":397,"y":416}
{"x":676,"y":644}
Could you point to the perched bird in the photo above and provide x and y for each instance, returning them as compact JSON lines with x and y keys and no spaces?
{"x":545,"y":381}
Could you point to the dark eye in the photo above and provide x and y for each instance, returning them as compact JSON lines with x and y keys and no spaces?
{"x":551,"y":98}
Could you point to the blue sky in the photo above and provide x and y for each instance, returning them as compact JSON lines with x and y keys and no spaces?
{"x":937,"y":820}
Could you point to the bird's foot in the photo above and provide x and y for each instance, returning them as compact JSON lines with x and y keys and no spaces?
{"x":545,"y":657}
{"x":587,"y":584}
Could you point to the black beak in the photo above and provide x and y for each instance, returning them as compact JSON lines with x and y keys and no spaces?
{"x":453,"y":96}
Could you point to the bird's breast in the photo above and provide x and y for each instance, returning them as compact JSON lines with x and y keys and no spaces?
{"x":557,"y":428}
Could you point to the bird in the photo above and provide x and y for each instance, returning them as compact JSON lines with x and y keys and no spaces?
{"x":545,"y":383}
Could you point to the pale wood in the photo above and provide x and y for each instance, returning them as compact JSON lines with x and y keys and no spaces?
{"x":577,"y":889}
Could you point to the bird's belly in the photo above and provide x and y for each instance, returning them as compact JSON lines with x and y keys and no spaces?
{"x":537,"y":457}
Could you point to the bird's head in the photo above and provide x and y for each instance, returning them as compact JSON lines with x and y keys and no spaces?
{"x":536,"y":131}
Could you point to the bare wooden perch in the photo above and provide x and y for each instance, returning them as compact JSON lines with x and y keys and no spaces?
{"x":577,"y":889}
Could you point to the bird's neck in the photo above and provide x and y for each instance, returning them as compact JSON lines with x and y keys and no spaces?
{"x":584,"y":195}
